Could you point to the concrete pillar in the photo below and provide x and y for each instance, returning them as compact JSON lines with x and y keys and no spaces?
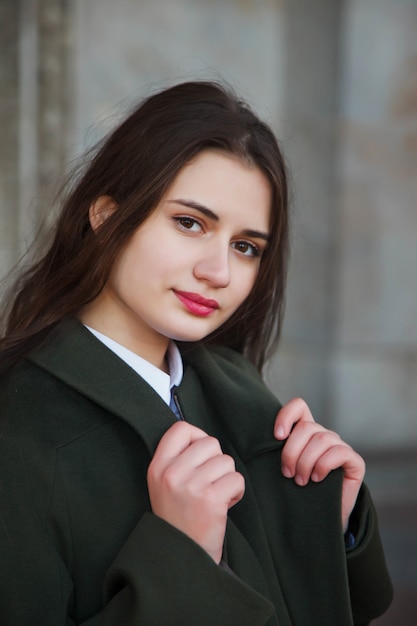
{"x":54,"y":102}
{"x":35,"y":116}
{"x":9,"y":105}
{"x":375,"y":373}
{"x":312,"y":47}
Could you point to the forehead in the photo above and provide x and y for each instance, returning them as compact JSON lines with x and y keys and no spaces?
{"x":213,"y":163}
{"x":223,"y":182}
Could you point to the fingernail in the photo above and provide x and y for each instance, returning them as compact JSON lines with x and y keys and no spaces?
{"x":315,"y":477}
{"x":299,"y":480}
{"x":280,"y":432}
{"x":286,"y":472}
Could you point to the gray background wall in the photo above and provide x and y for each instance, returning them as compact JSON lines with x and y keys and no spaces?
{"x":337,"y":79}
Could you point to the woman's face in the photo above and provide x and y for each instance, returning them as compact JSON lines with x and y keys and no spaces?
{"x":191,"y":264}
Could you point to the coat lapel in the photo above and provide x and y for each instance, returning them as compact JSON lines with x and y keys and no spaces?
{"x":220,"y":392}
{"x":242,"y":407}
{"x":77,"y":358}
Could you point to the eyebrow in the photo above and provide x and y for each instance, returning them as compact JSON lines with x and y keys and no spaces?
{"x":192,"y":204}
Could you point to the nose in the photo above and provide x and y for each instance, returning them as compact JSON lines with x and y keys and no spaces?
{"x":214,"y":266}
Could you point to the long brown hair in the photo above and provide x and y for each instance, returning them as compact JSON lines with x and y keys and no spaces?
{"x":135,"y":165}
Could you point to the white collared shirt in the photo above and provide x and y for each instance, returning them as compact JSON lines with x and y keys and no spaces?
{"x":161,"y":382}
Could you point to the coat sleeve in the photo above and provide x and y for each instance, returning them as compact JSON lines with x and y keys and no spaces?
{"x":147,"y":585}
{"x":366,"y":563}
{"x":162,"y":577}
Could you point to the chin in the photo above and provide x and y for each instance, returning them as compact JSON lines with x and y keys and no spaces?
{"x":192,"y":329}
{"x":189,"y":336}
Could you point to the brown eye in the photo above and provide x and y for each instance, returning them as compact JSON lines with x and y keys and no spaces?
{"x":246,"y":248}
{"x":185,"y":222}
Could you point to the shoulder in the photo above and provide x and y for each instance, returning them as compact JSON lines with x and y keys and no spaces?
{"x":40,"y":408}
{"x":38,"y":400}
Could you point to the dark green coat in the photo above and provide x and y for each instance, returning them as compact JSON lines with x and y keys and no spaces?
{"x":79,"y":545}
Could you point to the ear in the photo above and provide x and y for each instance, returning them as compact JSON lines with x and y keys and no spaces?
{"x":100,"y":210}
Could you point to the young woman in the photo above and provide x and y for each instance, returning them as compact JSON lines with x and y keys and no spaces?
{"x":147,"y":475}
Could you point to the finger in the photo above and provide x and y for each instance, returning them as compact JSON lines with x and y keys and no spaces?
{"x":354,"y":471}
{"x":177,"y":439}
{"x":312,"y":460}
{"x":199,"y":464}
{"x":350,"y":490}
{"x":213,"y":469}
{"x":294,"y":411}
{"x":199,"y":452}
{"x":295,"y":445}
{"x":230,"y":488}
{"x":343,"y":456}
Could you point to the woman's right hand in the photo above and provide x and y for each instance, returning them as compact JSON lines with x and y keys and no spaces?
{"x":192,"y":485}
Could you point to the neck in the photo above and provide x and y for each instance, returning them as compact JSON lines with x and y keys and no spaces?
{"x":149,"y":345}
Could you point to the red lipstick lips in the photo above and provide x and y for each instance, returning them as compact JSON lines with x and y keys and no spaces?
{"x":196,"y":304}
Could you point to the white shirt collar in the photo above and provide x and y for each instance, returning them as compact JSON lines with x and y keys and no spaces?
{"x":161,"y":382}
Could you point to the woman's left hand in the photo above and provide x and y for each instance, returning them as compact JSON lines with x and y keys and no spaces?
{"x":311,"y":452}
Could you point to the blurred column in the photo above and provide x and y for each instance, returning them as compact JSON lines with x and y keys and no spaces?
{"x":312,"y":46}
{"x":9,"y":20}
{"x":53,"y":115}
{"x":375,"y":371}
{"x":35,"y":115}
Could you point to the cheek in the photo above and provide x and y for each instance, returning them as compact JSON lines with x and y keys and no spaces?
{"x":245,"y":283}
{"x":127,"y":272}
{"x":122,"y":272}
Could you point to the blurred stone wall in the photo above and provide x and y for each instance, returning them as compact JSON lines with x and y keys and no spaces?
{"x":338,"y":82}
{"x":9,"y":76}
{"x":351,"y":326}
{"x":375,"y":361}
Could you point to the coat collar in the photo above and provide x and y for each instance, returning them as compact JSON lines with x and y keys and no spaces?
{"x":239,"y":398}
{"x":241,"y":407}
{"x":76,"y":357}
